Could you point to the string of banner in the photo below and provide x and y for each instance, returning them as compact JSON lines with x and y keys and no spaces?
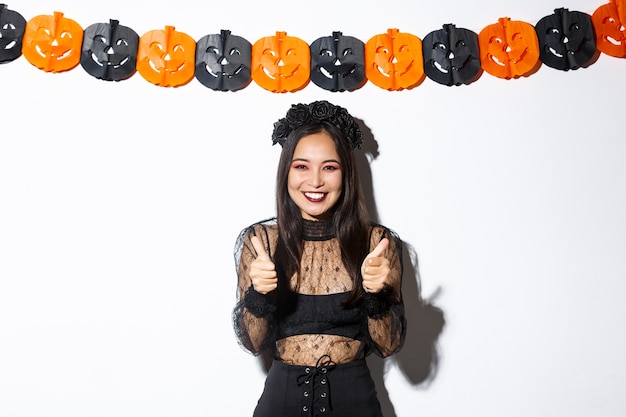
{"x":395,"y":60}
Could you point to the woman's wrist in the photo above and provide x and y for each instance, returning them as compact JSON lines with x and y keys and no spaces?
{"x":260,"y":305}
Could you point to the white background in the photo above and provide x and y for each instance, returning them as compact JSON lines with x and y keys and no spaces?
{"x":120,"y":204}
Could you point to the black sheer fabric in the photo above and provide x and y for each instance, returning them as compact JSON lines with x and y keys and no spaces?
{"x":313,"y":323}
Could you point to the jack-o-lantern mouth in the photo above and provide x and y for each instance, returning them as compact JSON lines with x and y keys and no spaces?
{"x":555,"y":52}
{"x":167,"y":68}
{"x":109,"y":64}
{"x":614,"y":41}
{"x":496,"y":61}
{"x":59,"y":57}
{"x":10,"y":45}
{"x":394,"y":70}
{"x":225,"y":72}
{"x":440,"y":67}
{"x":509,"y":60}
{"x":340,"y":70}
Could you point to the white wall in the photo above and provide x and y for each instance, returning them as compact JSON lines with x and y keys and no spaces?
{"x":120,"y":203}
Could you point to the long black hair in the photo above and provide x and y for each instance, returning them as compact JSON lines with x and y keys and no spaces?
{"x":349,"y":219}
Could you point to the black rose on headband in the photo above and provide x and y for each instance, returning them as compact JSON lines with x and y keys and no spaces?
{"x":319,"y":111}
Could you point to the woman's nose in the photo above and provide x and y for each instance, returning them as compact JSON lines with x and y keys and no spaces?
{"x":316,"y":179}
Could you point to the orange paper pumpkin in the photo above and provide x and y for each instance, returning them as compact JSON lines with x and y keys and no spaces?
{"x":608,"y":22}
{"x":281,"y":63}
{"x":52,"y":42}
{"x":394,"y":60}
{"x":166,"y":57}
{"x":509,"y":48}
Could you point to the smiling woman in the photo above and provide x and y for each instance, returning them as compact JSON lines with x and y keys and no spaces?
{"x":319,"y":285}
{"x":314,"y":180}
{"x":120,"y":203}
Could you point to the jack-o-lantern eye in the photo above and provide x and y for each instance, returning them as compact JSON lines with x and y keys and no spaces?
{"x":566,"y":39}
{"x":509,"y":49}
{"x":337,"y":62}
{"x":394,"y":60}
{"x":109,"y":51}
{"x":609,"y":21}
{"x":12,"y":27}
{"x":52,"y":42}
{"x":451,"y":55}
{"x":223,"y":61}
{"x":281,"y":63}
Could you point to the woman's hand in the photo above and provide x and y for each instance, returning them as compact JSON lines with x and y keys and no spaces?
{"x":262,"y":269}
{"x":375,"y":269}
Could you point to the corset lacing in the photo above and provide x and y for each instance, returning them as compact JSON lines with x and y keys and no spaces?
{"x":316,"y":388}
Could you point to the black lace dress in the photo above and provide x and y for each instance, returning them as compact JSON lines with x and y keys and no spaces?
{"x":310,"y":329}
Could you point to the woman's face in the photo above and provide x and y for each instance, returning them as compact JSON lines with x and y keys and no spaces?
{"x":314,"y":181}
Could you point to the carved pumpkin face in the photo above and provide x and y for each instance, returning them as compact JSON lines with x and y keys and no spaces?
{"x":52,"y":43}
{"x":609,"y":23}
{"x":223,"y":61}
{"x":566,"y":39}
{"x":12,"y":26}
{"x":109,"y":51}
{"x":451,"y":55}
{"x":337,"y":62}
{"x":166,"y":57}
{"x":508,"y":49}
{"x":394,"y":60}
{"x":281,"y":63}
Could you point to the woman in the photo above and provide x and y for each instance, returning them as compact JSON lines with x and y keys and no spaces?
{"x":318,"y":285}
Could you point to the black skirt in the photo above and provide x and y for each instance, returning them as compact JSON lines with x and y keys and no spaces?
{"x":325,"y":390}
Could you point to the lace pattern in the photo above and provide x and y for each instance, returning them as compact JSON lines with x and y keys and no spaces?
{"x":322,"y":273}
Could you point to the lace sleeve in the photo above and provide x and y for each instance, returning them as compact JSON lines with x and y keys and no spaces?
{"x":385,"y":310}
{"x":252,"y":312}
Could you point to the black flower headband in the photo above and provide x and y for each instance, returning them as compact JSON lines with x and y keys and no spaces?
{"x":319,"y":111}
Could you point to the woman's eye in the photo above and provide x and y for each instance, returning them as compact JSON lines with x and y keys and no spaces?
{"x":299,"y":167}
{"x":330,"y":167}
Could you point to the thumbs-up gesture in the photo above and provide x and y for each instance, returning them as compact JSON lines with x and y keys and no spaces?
{"x":262,"y":269}
{"x":375,"y":268}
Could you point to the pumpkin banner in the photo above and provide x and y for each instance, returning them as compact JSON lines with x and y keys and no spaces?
{"x":395,"y":60}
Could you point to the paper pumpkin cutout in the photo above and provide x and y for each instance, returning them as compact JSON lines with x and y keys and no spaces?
{"x":393,"y":60}
{"x":451,"y":55}
{"x":166,"y":57}
{"x":338,"y":62}
{"x":281,"y":63}
{"x":509,"y":48}
{"x":608,"y":22}
{"x":109,"y":51}
{"x":12,"y":27}
{"x":566,"y":39}
{"x":52,"y":42}
{"x":223,"y":61}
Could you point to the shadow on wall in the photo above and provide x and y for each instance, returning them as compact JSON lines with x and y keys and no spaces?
{"x":419,"y":358}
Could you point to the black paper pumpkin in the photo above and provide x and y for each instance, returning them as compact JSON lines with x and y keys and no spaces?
{"x":566,"y":39}
{"x":109,"y":51}
{"x":223,"y":61}
{"x":337,"y":62}
{"x":12,"y":26}
{"x":451,"y":55}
